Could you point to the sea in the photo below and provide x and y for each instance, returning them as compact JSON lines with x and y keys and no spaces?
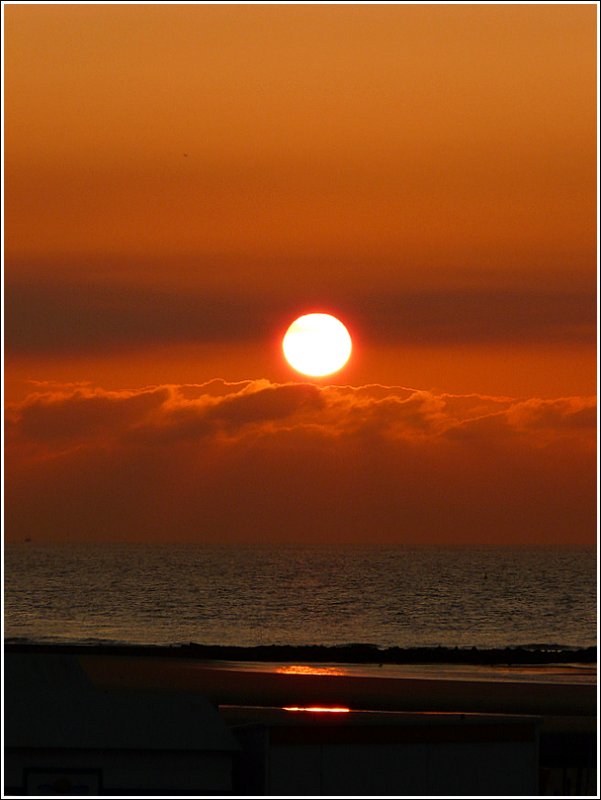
{"x":171,"y":594}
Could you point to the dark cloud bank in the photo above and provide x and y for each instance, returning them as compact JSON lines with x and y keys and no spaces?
{"x":69,"y":317}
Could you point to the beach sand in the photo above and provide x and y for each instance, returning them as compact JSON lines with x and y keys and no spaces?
{"x":279,"y":686}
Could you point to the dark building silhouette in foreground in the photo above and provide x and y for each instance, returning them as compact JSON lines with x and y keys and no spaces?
{"x":112,"y":725}
{"x":65,"y":736}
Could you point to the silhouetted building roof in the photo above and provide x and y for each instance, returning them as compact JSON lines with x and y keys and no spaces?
{"x":51,"y":703}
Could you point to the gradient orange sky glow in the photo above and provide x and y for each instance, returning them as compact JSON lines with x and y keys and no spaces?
{"x":182,"y":182}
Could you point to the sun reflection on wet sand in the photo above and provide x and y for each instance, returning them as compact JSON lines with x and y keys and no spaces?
{"x":305,"y":669}
{"x":318,"y":709}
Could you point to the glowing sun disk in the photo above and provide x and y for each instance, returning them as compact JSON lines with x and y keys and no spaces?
{"x":317,"y":344}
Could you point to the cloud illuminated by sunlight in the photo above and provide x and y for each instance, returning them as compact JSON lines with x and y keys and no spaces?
{"x":260,"y":461}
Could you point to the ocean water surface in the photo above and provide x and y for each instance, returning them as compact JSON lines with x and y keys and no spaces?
{"x":330,"y":595}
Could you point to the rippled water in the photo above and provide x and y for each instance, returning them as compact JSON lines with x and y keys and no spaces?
{"x":165,"y":594}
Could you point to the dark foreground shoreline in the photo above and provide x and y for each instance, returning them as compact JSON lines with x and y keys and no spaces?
{"x":547,"y":727}
{"x":345,"y":654}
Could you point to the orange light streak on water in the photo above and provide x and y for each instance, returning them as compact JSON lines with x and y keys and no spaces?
{"x":319,"y":709}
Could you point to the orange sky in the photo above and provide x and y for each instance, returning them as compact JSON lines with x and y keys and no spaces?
{"x":182,"y":181}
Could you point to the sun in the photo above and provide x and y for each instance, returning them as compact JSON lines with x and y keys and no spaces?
{"x":317,"y":344}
